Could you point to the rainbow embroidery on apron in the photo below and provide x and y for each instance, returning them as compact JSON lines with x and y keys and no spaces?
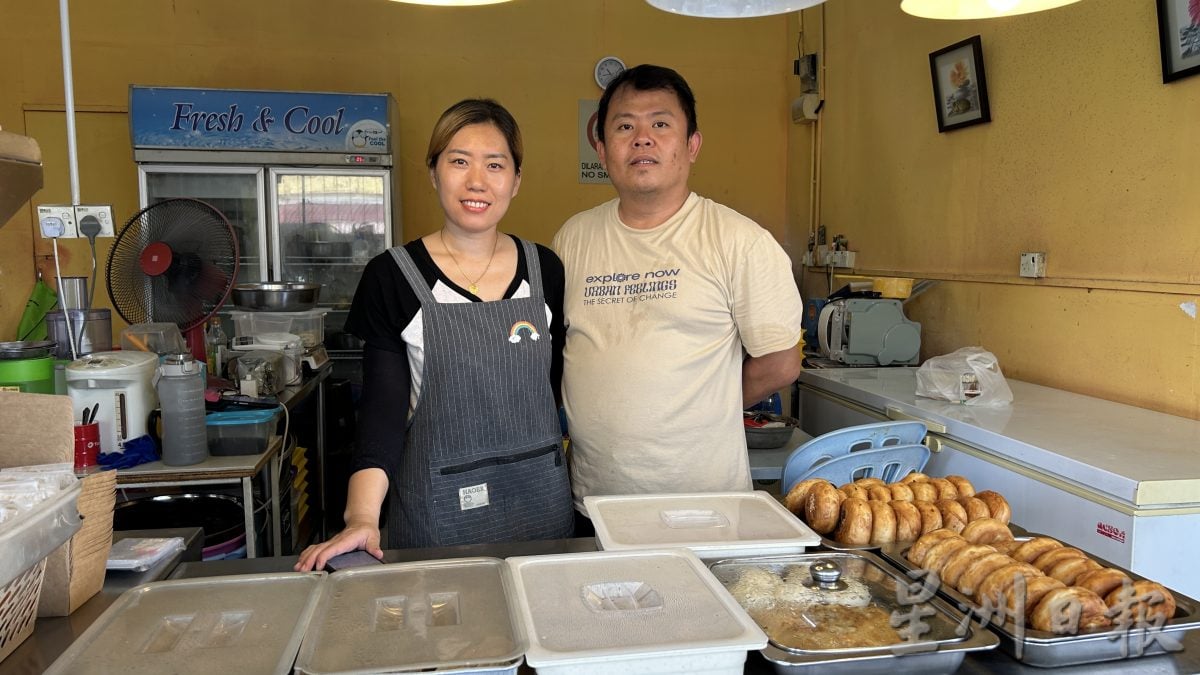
{"x":514,"y":333}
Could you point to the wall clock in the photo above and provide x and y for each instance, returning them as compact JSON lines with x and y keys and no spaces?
{"x":607,"y":69}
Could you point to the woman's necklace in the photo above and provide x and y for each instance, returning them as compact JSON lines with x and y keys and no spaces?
{"x":473,"y":284}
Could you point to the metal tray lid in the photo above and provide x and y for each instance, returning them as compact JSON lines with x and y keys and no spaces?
{"x":718,"y":524}
{"x":841,"y":603}
{"x":590,"y":607}
{"x":247,"y":623}
{"x":406,"y":617}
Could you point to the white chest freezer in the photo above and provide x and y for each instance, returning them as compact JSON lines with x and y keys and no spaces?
{"x":1118,"y":481}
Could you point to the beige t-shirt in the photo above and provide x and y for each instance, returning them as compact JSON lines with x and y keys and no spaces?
{"x":657,"y":321}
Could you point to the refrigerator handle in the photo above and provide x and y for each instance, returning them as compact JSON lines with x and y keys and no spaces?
{"x":894,"y":413}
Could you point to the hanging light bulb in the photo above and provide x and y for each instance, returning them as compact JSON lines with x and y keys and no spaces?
{"x":976,"y":9}
{"x":732,"y":9}
{"x":452,"y":3}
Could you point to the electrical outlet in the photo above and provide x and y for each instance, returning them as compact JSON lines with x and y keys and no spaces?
{"x":1033,"y":264}
{"x":841,"y":258}
{"x":64,"y":213}
{"x":103,"y":213}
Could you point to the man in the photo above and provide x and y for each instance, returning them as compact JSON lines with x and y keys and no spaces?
{"x":680,"y":311}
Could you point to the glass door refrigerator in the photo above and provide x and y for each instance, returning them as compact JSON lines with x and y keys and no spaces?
{"x":308,"y":182}
{"x":306,"y":179}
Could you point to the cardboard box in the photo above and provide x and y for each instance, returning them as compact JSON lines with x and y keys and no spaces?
{"x":75,"y":572}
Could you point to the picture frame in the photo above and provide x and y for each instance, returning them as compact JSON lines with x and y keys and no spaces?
{"x":1179,"y":38}
{"x":960,"y":85}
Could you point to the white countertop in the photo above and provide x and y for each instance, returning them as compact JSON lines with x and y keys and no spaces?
{"x":1135,"y":455}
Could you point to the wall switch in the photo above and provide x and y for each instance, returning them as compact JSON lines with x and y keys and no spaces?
{"x":53,"y":219}
{"x":1033,"y":264}
{"x":103,"y":213}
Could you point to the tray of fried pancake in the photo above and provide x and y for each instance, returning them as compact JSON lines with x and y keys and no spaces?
{"x":1050,"y":604}
{"x":869,"y":512}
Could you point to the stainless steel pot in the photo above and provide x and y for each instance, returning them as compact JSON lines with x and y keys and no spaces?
{"x":276,"y":297}
{"x":25,"y":349}
{"x":329,"y":250}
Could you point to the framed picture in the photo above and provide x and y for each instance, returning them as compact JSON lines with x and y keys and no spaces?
{"x":1179,"y":37}
{"x":959,"y":85}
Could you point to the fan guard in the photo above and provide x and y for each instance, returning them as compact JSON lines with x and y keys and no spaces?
{"x":174,"y":261}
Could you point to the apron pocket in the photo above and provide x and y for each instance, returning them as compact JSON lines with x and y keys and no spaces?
{"x":500,"y":461}
{"x":522,"y":496}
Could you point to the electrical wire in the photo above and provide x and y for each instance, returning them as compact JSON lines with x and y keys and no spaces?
{"x":89,"y":227}
{"x":66,"y":314}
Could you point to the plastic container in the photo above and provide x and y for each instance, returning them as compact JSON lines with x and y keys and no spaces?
{"x":181,"y":395}
{"x":712,"y":525}
{"x":240,"y":432}
{"x":25,"y":542}
{"x":448,"y":616}
{"x":34,"y":376}
{"x":159,"y":338}
{"x":287,"y":344}
{"x":259,"y":372}
{"x":92,"y":331}
{"x":309,"y":325}
{"x":249,"y":623}
{"x":630,"y":612}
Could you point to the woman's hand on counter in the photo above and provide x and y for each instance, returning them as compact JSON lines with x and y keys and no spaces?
{"x":355,"y":537}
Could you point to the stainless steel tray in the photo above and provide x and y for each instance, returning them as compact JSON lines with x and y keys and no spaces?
{"x":831,"y":545}
{"x":942,"y":652}
{"x":1048,"y":650}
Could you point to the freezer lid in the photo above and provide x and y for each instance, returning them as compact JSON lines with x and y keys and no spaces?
{"x":1137,"y":456}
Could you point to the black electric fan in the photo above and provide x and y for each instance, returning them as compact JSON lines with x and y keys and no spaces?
{"x":174,"y":261}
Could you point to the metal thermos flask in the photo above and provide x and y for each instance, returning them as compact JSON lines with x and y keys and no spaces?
{"x":180,"y":387}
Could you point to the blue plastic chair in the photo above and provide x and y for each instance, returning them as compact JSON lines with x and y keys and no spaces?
{"x":889,"y":464}
{"x":827,"y":448}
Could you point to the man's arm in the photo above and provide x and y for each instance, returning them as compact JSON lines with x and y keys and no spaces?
{"x":767,"y":374}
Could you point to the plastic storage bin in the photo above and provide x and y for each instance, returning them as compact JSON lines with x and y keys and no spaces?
{"x":713,"y":525}
{"x":159,"y":338}
{"x":630,"y":612}
{"x":449,"y":616}
{"x":240,"y":432}
{"x":25,"y":542}
{"x":247,"y":623}
{"x":309,"y":325}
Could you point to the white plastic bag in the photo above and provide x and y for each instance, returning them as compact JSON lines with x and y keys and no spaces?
{"x":970,"y":376}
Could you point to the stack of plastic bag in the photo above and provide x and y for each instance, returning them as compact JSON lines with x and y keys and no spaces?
{"x":970,"y":376}
{"x":22,"y":488}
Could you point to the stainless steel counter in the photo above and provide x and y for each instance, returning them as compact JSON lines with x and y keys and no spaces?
{"x":52,"y":636}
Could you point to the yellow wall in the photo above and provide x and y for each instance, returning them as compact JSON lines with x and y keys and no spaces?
{"x":1088,"y":157}
{"x":535,"y":56}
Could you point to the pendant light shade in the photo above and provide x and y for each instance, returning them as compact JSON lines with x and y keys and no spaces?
{"x":451,"y":3}
{"x":977,"y":9}
{"x":732,"y":9}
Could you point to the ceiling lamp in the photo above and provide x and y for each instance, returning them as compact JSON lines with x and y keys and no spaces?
{"x":732,"y":9}
{"x":452,"y":3}
{"x":976,"y":9}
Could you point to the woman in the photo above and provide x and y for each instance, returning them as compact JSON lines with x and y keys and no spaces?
{"x":463,"y":332}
